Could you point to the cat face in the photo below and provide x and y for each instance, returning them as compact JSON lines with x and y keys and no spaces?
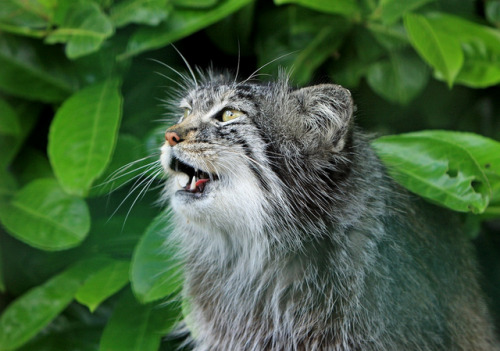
{"x":242,"y":151}
{"x":215,"y":157}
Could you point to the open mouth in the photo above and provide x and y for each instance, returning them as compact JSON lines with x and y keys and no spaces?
{"x":195,"y":180}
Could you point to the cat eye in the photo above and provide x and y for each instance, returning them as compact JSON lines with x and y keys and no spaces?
{"x":187,"y":112}
{"x":228,"y":115}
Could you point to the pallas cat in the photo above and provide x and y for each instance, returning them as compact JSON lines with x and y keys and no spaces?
{"x":293,"y":236}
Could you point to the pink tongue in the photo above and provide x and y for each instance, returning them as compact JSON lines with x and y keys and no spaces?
{"x":201,"y":184}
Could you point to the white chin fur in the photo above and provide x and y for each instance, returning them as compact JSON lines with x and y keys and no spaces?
{"x":221,"y":207}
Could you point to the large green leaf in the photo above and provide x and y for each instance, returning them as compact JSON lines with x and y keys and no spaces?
{"x":136,"y":327}
{"x":83,"y":29}
{"x":29,"y":314}
{"x":485,"y":151}
{"x":438,"y":48}
{"x":104,"y":283}
{"x":156,"y":270}
{"x":42,"y":215}
{"x":348,"y":8}
{"x":83,"y":135}
{"x":480,"y":45}
{"x":31,"y":71}
{"x":399,"y":78}
{"x":481,"y":67}
{"x":127,"y":163}
{"x":440,"y":169}
{"x":180,"y":24}
{"x":150,"y":12}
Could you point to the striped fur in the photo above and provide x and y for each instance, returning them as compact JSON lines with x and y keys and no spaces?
{"x":301,"y":241}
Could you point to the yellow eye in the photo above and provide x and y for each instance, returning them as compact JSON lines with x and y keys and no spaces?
{"x":187,"y":112}
{"x":228,"y":115}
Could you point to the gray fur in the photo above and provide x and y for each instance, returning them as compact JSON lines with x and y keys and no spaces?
{"x":304,"y":242}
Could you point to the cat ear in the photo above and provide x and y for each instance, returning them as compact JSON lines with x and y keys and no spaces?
{"x":324,"y":115}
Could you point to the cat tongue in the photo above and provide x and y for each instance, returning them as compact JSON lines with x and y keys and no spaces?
{"x":201,"y":184}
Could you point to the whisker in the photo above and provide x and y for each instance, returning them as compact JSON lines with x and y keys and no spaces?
{"x":188,"y":66}
{"x":253,"y":75}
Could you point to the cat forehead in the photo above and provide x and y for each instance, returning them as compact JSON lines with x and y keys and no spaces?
{"x":224,"y":93}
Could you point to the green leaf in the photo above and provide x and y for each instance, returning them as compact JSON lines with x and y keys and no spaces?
{"x":200,"y":4}
{"x":136,"y":327}
{"x":347,"y":8}
{"x":29,"y":314}
{"x":392,"y":10}
{"x":481,"y":67}
{"x":30,"y":71}
{"x":156,"y":270}
{"x":27,"y":14}
{"x":150,"y":12}
{"x":439,"y":49}
{"x":442,"y":171}
{"x":180,"y":24}
{"x":104,"y":283}
{"x":127,"y":163}
{"x":9,"y":123}
{"x":42,"y":215}
{"x":480,"y":45}
{"x":84,"y":29}
{"x":83,"y":135}
{"x":485,"y":151}
{"x":400,"y":78}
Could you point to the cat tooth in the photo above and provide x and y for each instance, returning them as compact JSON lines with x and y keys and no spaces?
{"x":193,"y":183}
{"x":182,"y":180}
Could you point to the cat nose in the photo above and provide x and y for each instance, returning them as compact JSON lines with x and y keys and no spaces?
{"x":172,"y":138}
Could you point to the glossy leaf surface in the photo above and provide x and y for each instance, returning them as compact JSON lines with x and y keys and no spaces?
{"x":156,"y":271}
{"x":150,"y":12}
{"x":83,"y":28}
{"x":83,"y":135}
{"x":440,"y":49}
{"x":103,"y":283}
{"x":42,"y":215}
{"x":440,"y":169}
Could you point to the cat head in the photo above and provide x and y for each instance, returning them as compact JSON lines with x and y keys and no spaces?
{"x":241,"y":152}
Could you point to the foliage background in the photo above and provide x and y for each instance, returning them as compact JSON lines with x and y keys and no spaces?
{"x":80,"y":97}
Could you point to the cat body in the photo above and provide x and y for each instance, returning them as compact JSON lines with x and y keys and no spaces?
{"x":294,"y":238}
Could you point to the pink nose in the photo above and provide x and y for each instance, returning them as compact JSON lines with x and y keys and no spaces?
{"x":172,"y":138}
